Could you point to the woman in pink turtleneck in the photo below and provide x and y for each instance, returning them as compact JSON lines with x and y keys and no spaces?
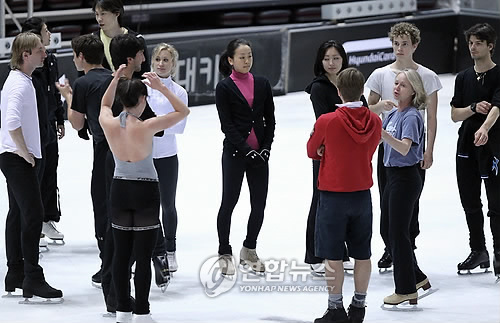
{"x":246,"y":112}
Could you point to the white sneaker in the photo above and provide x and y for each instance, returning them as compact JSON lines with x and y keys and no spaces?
{"x":318,"y":269}
{"x":348,"y":265}
{"x":226,"y":265}
{"x":50,"y":230}
{"x":248,"y":257}
{"x":143,"y":318}
{"x":172,"y":261}
{"x":123,"y":317}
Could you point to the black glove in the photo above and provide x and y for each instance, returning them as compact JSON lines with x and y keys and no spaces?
{"x":254,"y":159}
{"x":84,"y":132}
{"x":264,"y":153}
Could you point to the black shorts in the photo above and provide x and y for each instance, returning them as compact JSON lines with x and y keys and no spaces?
{"x":135,"y":205}
{"x":344,"y":217}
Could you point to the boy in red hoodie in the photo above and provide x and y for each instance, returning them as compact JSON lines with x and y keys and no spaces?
{"x":345,"y":141}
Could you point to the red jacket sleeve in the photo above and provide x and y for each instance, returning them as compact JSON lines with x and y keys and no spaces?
{"x":317,"y":138}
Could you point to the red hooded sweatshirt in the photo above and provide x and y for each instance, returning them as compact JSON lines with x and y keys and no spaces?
{"x":350,"y":136}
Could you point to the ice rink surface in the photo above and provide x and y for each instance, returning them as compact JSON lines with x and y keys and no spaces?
{"x":442,"y":244}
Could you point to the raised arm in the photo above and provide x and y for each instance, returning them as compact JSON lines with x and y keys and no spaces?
{"x":165,"y":121}
{"x":108,"y":98}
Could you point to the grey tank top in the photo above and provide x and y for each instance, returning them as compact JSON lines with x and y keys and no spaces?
{"x":143,"y":170}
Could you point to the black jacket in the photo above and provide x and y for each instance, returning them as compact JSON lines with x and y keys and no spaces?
{"x":324,"y":95}
{"x":237,"y":118}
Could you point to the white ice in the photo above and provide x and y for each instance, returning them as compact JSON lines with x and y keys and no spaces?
{"x":442,"y":244}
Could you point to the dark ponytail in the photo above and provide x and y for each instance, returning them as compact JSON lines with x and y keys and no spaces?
{"x":224,"y":67}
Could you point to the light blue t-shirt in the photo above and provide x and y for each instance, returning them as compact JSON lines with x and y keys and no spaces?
{"x":405,"y":124}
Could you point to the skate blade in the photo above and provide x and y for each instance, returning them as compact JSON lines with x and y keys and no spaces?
{"x":385,"y":270}
{"x":247,"y":269}
{"x":42,"y":301}
{"x":349,"y":272}
{"x":498,"y":280}
{"x":163,"y":287}
{"x":96,"y":285}
{"x":403,"y":307}
{"x":57,"y":242}
{"x":428,"y":292}
{"x":43,"y":249}
{"x":317,"y":274}
{"x":109,"y":315}
{"x":475,"y":271}
{"x":11,"y":295}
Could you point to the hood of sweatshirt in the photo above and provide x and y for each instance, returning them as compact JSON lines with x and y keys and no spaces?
{"x":359,"y":123}
{"x":318,"y":79}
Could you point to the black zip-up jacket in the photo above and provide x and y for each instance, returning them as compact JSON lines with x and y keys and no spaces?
{"x":324,"y":95}
{"x":237,"y":118}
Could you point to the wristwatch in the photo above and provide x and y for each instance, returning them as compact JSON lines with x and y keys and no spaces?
{"x":473,"y":107}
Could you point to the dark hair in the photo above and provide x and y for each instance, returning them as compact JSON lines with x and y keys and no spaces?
{"x":90,"y":46}
{"x":224,"y":67}
{"x":482,"y":31}
{"x":350,"y":83}
{"x":123,"y":47}
{"x":34,"y":25}
{"x":318,"y":64}
{"x":114,"y":6}
{"x":129,"y":92}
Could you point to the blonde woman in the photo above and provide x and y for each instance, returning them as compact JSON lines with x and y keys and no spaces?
{"x":163,"y":63}
{"x":403,"y":140}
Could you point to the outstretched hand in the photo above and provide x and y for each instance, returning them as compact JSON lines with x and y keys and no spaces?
{"x":152,"y":80}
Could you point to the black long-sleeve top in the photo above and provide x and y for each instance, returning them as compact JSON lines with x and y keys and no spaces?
{"x":237,"y":118}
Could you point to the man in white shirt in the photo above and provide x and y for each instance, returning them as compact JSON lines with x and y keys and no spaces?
{"x":405,"y":38}
{"x":20,"y":153}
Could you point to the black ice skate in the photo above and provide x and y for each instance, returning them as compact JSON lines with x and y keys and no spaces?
{"x":40,"y":288}
{"x":496,"y":265}
{"x":356,"y":314}
{"x":475,"y":259}
{"x":13,"y":280}
{"x":162,"y":274}
{"x":337,"y":315}
{"x":96,"y":279}
{"x":385,"y":263}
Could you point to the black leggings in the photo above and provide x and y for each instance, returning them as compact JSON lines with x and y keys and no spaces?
{"x":135,"y":207}
{"x":234,"y":167}
{"x":167,"y":169}
{"x":402,"y":191}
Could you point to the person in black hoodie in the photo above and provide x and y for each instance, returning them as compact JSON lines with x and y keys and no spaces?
{"x":51,"y":118}
{"x":246,"y":112}
{"x":331,"y":59}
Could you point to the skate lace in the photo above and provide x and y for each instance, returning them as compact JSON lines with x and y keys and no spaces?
{"x":252,"y":256}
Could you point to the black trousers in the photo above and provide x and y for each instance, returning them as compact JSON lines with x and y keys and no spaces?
{"x":382,"y":180}
{"x":311,"y":257}
{"x":402,"y":191}
{"x":99,"y":193}
{"x":168,"y":170}
{"x":24,"y":219}
{"x":50,"y":192}
{"x":469,"y":186}
{"x":234,"y":167}
{"x":125,"y":242}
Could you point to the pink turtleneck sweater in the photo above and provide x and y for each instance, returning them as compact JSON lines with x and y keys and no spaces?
{"x":245,"y":83}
